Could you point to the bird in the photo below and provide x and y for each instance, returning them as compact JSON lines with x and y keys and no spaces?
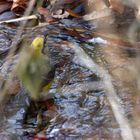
{"x":34,"y":69}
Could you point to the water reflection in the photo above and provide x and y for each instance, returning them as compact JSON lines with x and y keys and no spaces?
{"x":84,"y":110}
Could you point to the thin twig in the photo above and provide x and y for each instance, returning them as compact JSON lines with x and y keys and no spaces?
{"x":20,"y":19}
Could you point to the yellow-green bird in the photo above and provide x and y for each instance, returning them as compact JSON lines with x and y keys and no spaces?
{"x":34,"y":69}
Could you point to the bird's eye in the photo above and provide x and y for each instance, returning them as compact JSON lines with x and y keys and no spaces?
{"x":37,"y":43}
{"x":39,"y":46}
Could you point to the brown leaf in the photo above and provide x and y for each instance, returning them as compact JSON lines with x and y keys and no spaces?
{"x":19,"y":6}
{"x":45,"y":14}
{"x":5,"y":6}
{"x":40,"y":136}
{"x":72,"y":13}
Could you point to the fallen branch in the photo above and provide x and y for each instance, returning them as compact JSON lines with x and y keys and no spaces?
{"x":20,"y":19}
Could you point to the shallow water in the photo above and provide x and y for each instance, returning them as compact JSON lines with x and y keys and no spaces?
{"x":83,"y":107}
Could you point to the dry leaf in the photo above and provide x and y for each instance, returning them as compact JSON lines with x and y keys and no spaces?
{"x":19,"y":6}
{"x":72,"y":13}
{"x":40,"y":136}
{"x":45,"y":14}
{"x":4,"y":6}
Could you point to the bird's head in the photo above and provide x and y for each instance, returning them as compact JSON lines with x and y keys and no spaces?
{"x":38,"y":44}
